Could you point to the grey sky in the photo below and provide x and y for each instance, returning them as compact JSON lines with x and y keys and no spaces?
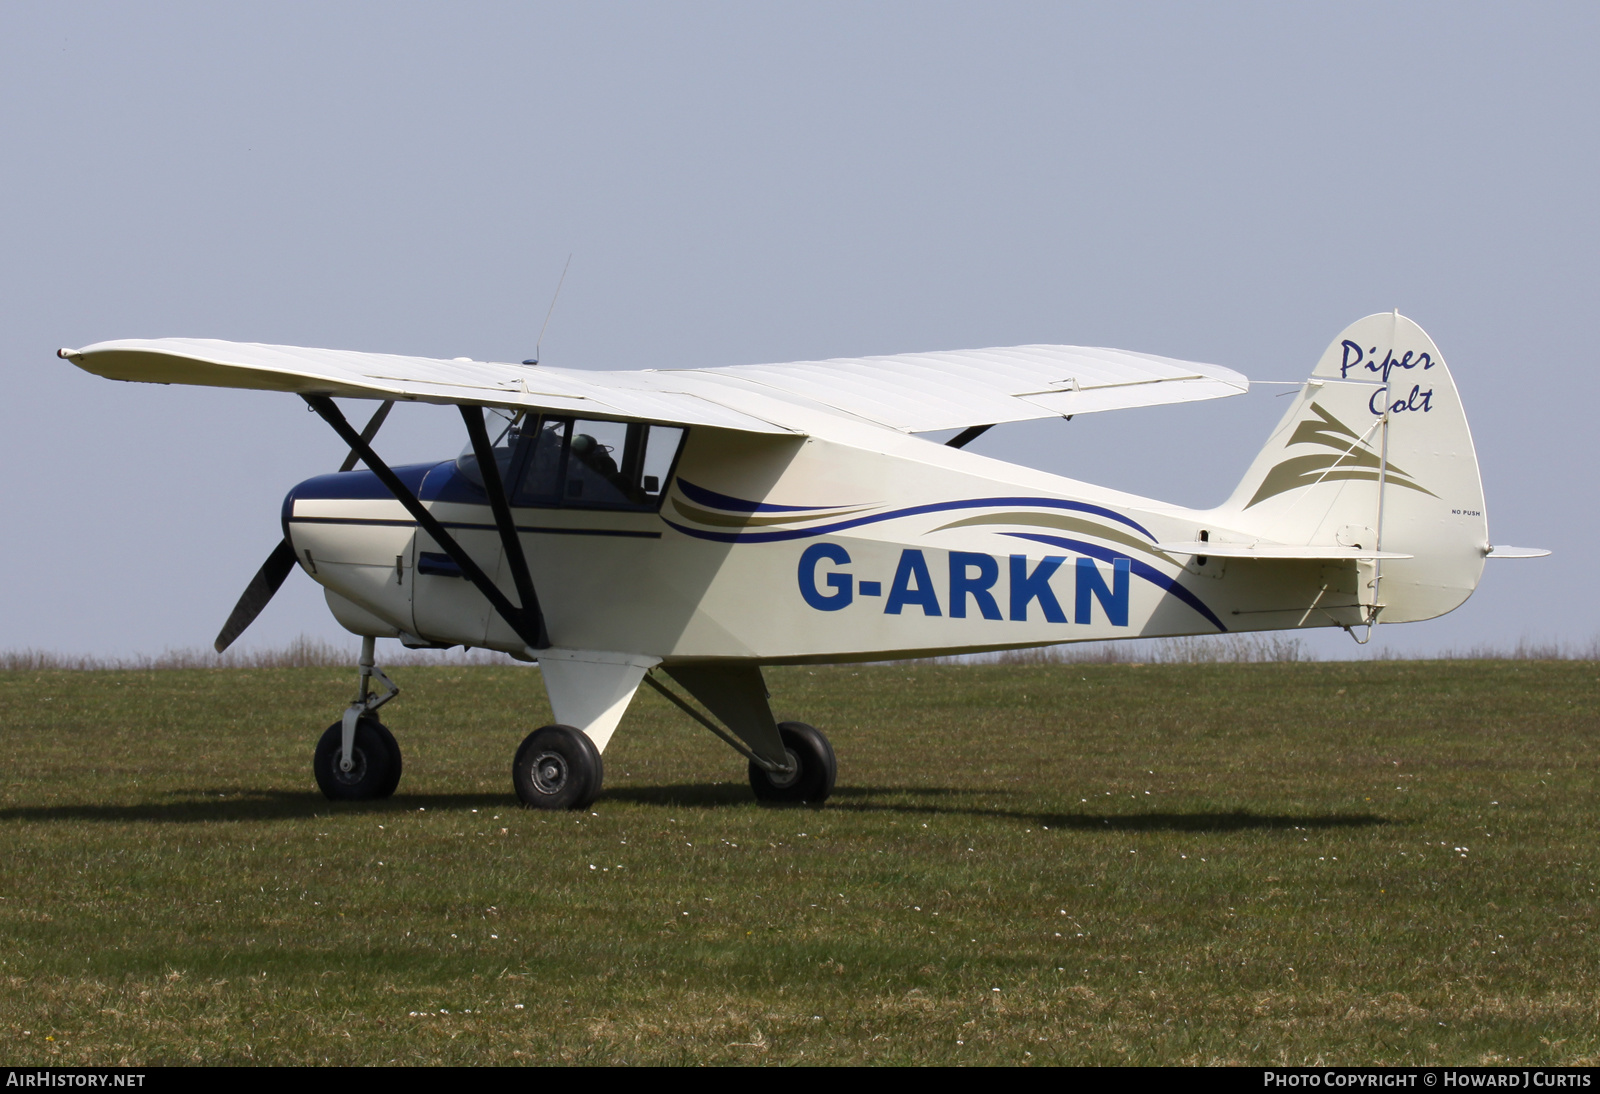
{"x":740,"y":183}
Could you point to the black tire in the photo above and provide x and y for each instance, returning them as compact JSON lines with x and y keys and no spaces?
{"x":557,"y":767}
{"x":816,"y":768}
{"x":396,"y":762}
{"x":376,"y":770}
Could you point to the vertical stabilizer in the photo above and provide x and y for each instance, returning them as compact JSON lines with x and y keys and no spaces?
{"x":1375,"y":452}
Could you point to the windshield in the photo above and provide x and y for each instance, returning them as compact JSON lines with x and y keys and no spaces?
{"x":505,"y":427}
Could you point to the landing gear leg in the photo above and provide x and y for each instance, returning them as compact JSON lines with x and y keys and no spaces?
{"x":808,"y":768}
{"x":358,"y":758}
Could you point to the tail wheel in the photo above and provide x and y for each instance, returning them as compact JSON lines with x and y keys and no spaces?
{"x":557,"y":767}
{"x":815,"y":765}
{"x":375,"y":763}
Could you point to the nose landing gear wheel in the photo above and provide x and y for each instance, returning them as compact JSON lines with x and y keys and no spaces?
{"x":557,"y":767}
{"x":375,"y":768}
{"x":815,"y":768}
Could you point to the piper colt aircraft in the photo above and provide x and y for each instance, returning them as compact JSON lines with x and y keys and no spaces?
{"x":699,"y":524}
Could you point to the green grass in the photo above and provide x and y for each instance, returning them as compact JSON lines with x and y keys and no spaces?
{"x":1043,"y":864}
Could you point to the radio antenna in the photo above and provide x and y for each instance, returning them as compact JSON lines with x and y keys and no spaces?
{"x":537,"y":346}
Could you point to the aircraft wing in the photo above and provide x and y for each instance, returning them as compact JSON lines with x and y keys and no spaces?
{"x":346,"y":373}
{"x":909,"y":393}
{"x":922,"y":392}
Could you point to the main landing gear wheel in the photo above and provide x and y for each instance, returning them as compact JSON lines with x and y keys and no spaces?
{"x":375,"y":767}
{"x":815,"y":768}
{"x":557,"y":767}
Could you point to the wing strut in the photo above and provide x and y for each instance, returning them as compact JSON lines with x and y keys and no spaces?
{"x":527,"y":621}
{"x":495,"y":487}
{"x":967,"y":436}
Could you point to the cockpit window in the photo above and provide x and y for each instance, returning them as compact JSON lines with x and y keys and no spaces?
{"x":540,"y":479}
{"x":594,"y":467}
{"x":579,"y":463}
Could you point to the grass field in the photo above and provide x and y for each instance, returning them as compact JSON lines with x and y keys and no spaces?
{"x":1268,"y":864}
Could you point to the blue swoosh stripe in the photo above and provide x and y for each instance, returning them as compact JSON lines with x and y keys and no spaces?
{"x":915,"y":510}
{"x":1142,"y":569}
{"x":537,"y":530}
{"x":701,"y":496}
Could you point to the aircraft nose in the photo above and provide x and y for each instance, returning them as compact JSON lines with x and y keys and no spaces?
{"x":348,"y":486}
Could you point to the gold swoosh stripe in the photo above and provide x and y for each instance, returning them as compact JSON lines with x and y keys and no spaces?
{"x":1308,"y":470}
{"x":1061,"y":523}
{"x":750,"y":520}
{"x":1350,"y":460}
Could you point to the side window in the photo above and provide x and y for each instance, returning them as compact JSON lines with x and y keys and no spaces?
{"x":590,"y":464}
{"x":543,"y":453}
{"x":660,"y":452}
{"x":595,"y":456}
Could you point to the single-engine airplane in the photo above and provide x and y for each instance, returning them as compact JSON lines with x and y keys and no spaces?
{"x":700,"y":524}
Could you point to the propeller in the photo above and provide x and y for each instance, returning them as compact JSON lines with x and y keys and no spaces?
{"x":281,"y":561}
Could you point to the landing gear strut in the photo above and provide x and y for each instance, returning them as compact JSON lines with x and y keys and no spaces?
{"x":357,"y":758}
{"x":808,"y":768}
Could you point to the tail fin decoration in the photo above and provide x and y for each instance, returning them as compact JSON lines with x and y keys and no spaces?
{"x":1375,"y":452}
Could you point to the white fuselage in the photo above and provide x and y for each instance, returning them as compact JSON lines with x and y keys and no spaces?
{"x":774,"y":549}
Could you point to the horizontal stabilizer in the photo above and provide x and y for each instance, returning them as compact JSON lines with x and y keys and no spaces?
{"x":1516,"y":552}
{"x":1311,"y":552}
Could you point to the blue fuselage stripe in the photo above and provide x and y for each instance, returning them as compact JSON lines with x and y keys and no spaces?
{"x":701,"y":496}
{"x":912,"y":511}
{"x":479,"y":527}
{"x":1140,"y":569}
